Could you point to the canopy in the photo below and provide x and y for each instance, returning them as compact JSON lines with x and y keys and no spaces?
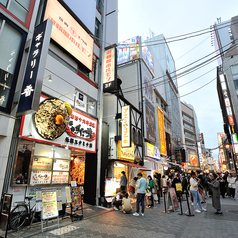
{"x":135,"y":165}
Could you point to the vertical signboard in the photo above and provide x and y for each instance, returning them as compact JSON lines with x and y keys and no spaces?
{"x":150,"y":121}
{"x":35,"y":67}
{"x":126,"y":127}
{"x":162,"y":140}
{"x":109,"y":70}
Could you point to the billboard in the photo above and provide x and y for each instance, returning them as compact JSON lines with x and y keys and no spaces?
{"x":126,"y":127}
{"x":126,"y":153}
{"x":162,"y":140}
{"x":69,"y":34}
{"x":150,"y":121}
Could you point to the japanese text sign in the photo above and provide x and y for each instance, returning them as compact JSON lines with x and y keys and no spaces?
{"x":126,"y":127}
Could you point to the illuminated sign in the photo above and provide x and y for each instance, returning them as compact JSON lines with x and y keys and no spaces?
{"x":68,"y":33}
{"x":35,"y":67}
{"x":162,"y":140}
{"x":231,"y":120}
{"x":152,"y":151}
{"x":193,"y":160}
{"x":150,"y":127}
{"x":126,"y":127}
{"x":109,"y":71}
{"x":126,"y":153}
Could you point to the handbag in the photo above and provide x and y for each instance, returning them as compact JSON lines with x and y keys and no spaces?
{"x":147,"y":192}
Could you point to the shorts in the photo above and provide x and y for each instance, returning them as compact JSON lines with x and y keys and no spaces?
{"x":200,"y":190}
{"x":131,"y":189}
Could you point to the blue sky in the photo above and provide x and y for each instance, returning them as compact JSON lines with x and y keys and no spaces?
{"x":173,"y":18}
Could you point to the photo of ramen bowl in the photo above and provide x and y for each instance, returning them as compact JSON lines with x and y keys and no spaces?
{"x":52,"y":118}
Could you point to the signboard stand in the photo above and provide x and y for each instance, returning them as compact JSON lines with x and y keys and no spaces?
{"x":76,"y":204}
{"x":172,"y":199}
{"x":49,"y":207}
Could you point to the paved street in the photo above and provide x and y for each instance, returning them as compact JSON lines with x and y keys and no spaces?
{"x":106,"y":223}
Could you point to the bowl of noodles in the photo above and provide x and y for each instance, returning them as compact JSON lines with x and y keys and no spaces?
{"x":52,"y":118}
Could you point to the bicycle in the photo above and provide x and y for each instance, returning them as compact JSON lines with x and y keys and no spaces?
{"x":21,"y":213}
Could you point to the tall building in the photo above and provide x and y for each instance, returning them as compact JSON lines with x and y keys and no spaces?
{"x":191,"y":136}
{"x":165,"y":82}
{"x":51,"y":62}
{"x":225,"y":41}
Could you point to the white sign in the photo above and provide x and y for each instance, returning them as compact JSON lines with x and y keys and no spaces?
{"x":235,"y":148}
{"x":60,"y":177}
{"x":49,"y":203}
{"x":40,"y":177}
{"x":68,"y":33}
{"x":81,"y":101}
{"x":126,"y":127}
{"x":109,"y":66}
{"x":61,"y":165}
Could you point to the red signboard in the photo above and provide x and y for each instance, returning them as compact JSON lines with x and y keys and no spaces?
{"x":231,"y":120}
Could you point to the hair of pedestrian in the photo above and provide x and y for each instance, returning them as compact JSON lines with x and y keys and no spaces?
{"x":139,"y":174}
{"x":123,"y":172}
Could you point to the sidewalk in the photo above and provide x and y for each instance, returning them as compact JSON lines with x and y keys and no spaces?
{"x":107,"y":223}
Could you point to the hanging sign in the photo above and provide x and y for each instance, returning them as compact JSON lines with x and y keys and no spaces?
{"x":126,"y":126}
{"x":35,"y":68}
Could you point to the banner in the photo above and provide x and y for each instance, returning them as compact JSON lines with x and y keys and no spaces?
{"x":162,"y":139}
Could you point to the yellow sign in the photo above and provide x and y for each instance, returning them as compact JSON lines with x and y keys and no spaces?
{"x":150,"y":150}
{"x":126,"y":154}
{"x":178,"y":187}
{"x":126,"y":127}
{"x":162,"y":141}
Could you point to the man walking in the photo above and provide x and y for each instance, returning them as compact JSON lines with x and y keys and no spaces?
{"x":141,"y":187}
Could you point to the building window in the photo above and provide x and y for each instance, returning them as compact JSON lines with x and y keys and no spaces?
{"x":18,"y":8}
{"x":236,"y":84}
{"x":188,"y":118}
{"x":11,"y":41}
{"x":97,"y":25}
{"x":188,"y":126}
{"x":98,"y":4}
{"x":189,"y":135}
{"x":92,"y":74}
{"x":234,"y":71}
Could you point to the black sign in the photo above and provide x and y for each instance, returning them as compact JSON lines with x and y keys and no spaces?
{"x":32,"y":84}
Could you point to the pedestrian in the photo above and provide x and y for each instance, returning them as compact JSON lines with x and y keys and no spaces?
{"x":20,"y":179}
{"x":149,"y":197}
{"x":194,"y":182}
{"x":126,"y":204}
{"x":131,"y":188}
{"x":222,"y":185}
{"x":123,"y":181}
{"x":200,"y":187}
{"x":184,"y":184}
{"x":117,"y":200}
{"x":215,"y":187}
{"x":156,"y":182}
{"x":176,"y":180}
{"x":236,"y":191}
{"x":141,"y":187}
{"x":160,"y":185}
{"x":231,"y":185}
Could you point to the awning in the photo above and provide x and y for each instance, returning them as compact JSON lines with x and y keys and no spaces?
{"x":135,"y":165}
{"x":157,"y":161}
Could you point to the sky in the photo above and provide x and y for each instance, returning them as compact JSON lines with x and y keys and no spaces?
{"x":172,"y":18}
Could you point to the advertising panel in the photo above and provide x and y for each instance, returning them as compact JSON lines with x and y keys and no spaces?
{"x":150,"y":121}
{"x":60,"y":177}
{"x":193,"y":160}
{"x":152,"y":151}
{"x":220,"y":136}
{"x":49,"y":203}
{"x":126,"y":153}
{"x":109,"y":71}
{"x":146,"y":55}
{"x":126,"y":126}
{"x":68,"y":33}
{"x":162,"y":140}
{"x":128,"y":50}
{"x":40,"y":177}
{"x":81,"y":132}
{"x":41,"y":163}
{"x":61,"y":165}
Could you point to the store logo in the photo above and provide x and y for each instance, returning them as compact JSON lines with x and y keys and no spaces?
{"x":72,"y":31}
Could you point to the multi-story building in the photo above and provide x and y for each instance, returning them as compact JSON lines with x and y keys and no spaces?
{"x":56,"y":65}
{"x":191,"y":136}
{"x":225,"y":41}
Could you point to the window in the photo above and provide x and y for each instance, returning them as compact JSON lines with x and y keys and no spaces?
{"x":236,"y":84}
{"x":92,"y":74}
{"x":188,"y":126}
{"x":19,"y":8}
{"x":187,"y":118}
{"x":98,"y":4}
{"x":10,"y":47}
{"x":189,"y":135}
{"x":97,"y":35}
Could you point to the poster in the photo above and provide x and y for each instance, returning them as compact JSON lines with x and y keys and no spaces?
{"x":173,"y":197}
{"x":38,"y":194}
{"x":61,"y":165}
{"x":76,"y":199}
{"x":32,"y":191}
{"x":40,"y":177}
{"x":59,"y":205}
{"x":49,"y":203}
{"x":178,"y":187}
{"x":41,"y":163}
{"x":60,"y":177}
{"x":59,"y":193}
{"x":68,"y":194}
{"x":77,"y":170}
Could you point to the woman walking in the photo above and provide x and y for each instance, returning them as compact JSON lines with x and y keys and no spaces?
{"x":151,"y":185}
{"x":194,"y":190}
{"x":231,"y":185}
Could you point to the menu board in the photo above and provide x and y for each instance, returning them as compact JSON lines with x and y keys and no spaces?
{"x":61,"y":165}
{"x":76,"y":199}
{"x":60,"y":177}
{"x":40,"y":177}
{"x":49,"y":203}
{"x":68,"y":195}
{"x":40,"y":163}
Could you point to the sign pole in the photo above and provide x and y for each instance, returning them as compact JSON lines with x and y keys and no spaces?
{"x":189,"y":211}
{"x":180,"y":201}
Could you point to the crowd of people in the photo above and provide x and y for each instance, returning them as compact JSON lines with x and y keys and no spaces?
{"x":197,"y":186}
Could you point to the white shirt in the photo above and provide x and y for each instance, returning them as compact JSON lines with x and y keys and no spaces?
{"x":194,"y":184}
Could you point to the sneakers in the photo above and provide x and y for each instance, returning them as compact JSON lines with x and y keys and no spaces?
{"x":124,"y":212}
{"x":136,"y":214}
{"x":204,"y":209}
{"x":142,"y":214}
{"x":116,"y":209}
{"x":192,"y":203}
{"x":198,"y":211}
